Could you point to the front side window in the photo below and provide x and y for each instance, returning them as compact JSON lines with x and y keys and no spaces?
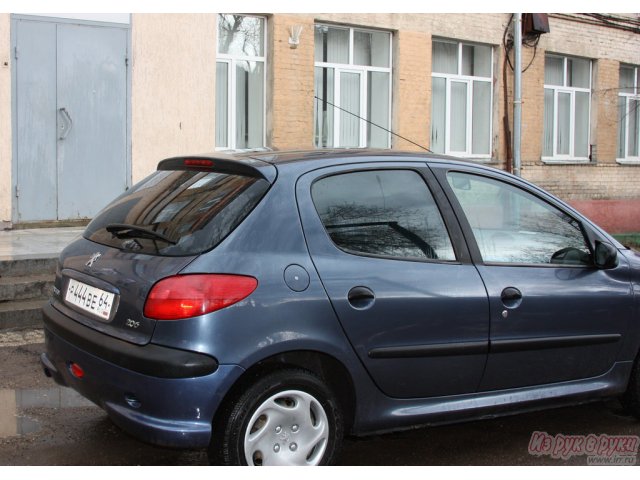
{"x":352,"y":103}
{"x":511,"y":225}
{"x":461,"y":99}
{"x":567,"y":108}
{"x":388,"y":213}
{"x":240,"y":82}
{"x":629,"y":114}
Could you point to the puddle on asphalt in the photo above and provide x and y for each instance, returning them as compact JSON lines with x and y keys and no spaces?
{"x":12,"y":402}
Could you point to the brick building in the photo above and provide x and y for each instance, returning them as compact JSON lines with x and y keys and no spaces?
{"x":198,"y":82}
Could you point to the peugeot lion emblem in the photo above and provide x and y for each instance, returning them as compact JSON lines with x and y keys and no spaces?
{"x":93,"y":259}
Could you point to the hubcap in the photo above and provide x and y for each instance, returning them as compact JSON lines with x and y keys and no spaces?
{"x":289,"y":428}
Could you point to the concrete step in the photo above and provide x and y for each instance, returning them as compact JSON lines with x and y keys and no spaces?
{"x":28,"y":266}
{"x":21,"y":313}
{"x":25,"y":287}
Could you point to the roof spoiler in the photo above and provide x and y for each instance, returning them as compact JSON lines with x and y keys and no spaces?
{"x":248,"y":167}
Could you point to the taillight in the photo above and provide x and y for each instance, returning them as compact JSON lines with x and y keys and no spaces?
{"x":184,"y":296}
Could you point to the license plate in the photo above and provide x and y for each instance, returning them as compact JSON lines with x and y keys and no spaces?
{"x":90,"y":299}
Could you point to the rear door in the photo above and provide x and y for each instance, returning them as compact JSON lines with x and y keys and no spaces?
{"x":554,"y":316}
{"x":399,"y":278}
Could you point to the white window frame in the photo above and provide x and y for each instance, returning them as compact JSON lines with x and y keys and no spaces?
{"x":231,"y":61}
{"x":363,"y":70}
{"x":469,"y":80}
{"x":564,"y":88}
{"x":627,"y":159}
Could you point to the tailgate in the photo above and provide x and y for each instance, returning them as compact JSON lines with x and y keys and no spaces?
{"x":108,"y":293}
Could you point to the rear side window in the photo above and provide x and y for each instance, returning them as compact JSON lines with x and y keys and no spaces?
{"x":176,"y":213}
{"x":388,"y":213}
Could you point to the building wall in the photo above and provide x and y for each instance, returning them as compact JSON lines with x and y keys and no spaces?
{"x":603,"y":190}
{"x":290,"y":81}
{"x":412,"y":69}
{"x":172,"y":87}
{"x":607,"y":47}
{"x":5,"y":120}
{"x":532,"y":105}
{"x":605,"y":106}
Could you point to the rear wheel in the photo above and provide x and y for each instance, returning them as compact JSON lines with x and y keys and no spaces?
{"x":288,"y":417}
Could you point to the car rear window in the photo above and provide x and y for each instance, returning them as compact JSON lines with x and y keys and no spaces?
{"x":176,"y":213}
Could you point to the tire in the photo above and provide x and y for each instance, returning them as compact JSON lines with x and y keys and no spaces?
{"x":631,"y":398}
{"x":287,"y":417}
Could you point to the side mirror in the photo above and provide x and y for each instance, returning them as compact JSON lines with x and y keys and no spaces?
{"x":606,"y":255}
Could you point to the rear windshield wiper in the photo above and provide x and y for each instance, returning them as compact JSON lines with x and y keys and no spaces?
{"x":124,"y":230}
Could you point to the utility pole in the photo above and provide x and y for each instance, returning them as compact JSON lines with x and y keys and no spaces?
{"x":517,"y":92}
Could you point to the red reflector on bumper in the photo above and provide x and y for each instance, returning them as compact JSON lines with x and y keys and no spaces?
{"x":76,"y":370}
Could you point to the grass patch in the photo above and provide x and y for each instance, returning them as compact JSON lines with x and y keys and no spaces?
{"x":629,"y":239}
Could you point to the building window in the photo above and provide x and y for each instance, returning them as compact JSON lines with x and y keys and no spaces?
{"x":240,"y":82}
{"x":629,"y":114}
{"x":567,"y":108}
{"x":461,"y":99}
{"x":352,"y":107}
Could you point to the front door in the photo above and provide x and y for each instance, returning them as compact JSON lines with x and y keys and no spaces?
{"x":412,"y":305}
{"x":554,"y":316}
{"x":71,"y":118}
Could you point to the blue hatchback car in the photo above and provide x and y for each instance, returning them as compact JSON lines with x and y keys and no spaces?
{"x":264,"y":305}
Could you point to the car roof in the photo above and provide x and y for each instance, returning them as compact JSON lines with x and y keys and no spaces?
{"x":325,"y":157}
{"x":291,"y":156}
{"x":266,"y":161}
{"x":318,"y":158}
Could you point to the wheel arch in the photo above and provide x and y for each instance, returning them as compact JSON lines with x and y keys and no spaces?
{"x":329,"y":369}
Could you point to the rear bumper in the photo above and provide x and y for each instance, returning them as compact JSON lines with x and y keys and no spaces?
{"x":150,"y":359}
{"x":173,"y":412}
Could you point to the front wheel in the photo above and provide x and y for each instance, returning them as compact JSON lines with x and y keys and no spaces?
{"x":287,"y":417}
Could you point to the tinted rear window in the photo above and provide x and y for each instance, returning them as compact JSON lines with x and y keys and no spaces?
{"x":388,"y":213}
{"x":193,"y":211}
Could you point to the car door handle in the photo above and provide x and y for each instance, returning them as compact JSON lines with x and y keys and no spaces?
{"x":511,"y":297}
{"x":361,"y":298}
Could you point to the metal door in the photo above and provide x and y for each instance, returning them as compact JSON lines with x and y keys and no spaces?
{"x":71,"y":118}
{"x":36,"y":187}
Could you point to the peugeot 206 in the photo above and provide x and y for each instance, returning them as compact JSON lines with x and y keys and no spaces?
{"x":265,"y":305}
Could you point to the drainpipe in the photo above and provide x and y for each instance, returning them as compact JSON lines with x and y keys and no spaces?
{"x":517,"y":92}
